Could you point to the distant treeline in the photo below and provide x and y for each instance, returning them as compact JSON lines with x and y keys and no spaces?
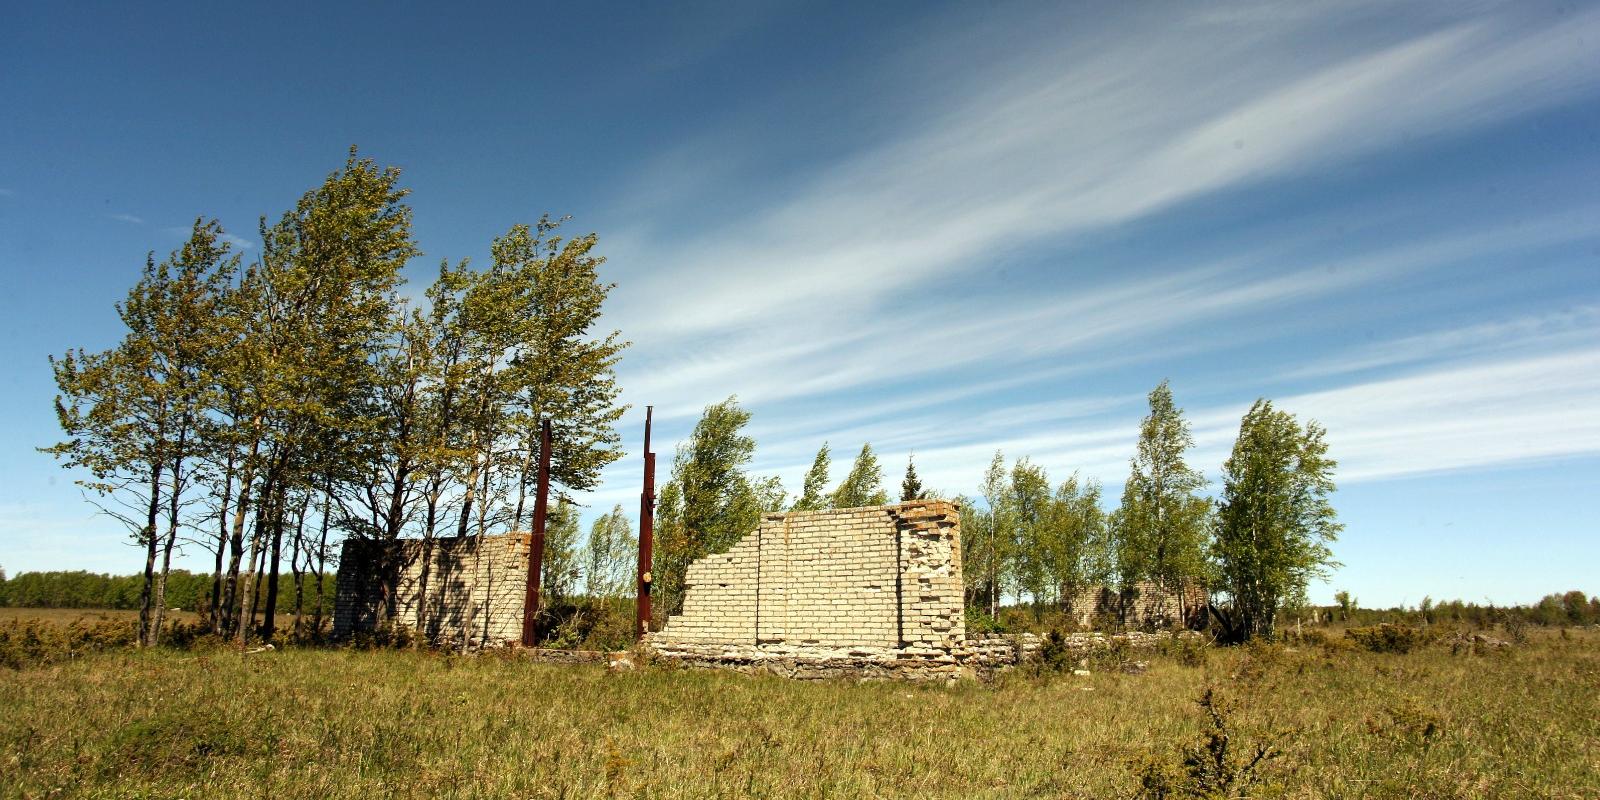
{"x":82,"y":589}
{"x":1561,"y":609}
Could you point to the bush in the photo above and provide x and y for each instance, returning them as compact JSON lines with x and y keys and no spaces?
{"x":981,"y":623}
{"x":33,"y":642}
{"x":1217,"y":766}
{"x":1190,"y":651}
{"x":388,"y":636}
{"x":589,"y":623}
{"x":1391,"y":638}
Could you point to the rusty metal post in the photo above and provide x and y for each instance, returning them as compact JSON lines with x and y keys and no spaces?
{"x":647,"y":525}
{"x":541,"y":505}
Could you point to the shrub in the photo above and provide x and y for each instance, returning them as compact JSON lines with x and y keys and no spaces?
{"x":32,"y":642}
{"x":390,"y":635}
{"x":980,"y":623}
{"x":1390,"y":638}
{"x":1216,"y":766}
{"x":1190,"y":651}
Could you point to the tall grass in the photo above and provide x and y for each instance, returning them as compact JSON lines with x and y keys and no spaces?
{"x":342,"y":723}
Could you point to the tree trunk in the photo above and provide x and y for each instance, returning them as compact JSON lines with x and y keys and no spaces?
{"x":322,"y":561}
{"x":146,"y":594}
{"x":294,"y":564}
{"x":232,"y":600}
{"x":215,"y":612}
{"x":247,"y":617}
{"x":268,"y":621}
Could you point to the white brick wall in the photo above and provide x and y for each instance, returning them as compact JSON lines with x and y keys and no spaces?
{"x":884,"y":577}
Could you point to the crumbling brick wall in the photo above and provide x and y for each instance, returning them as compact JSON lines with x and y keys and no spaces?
{"x":461,"y":589}
{"x":1143,"y":605}
{"x":880,"y":578}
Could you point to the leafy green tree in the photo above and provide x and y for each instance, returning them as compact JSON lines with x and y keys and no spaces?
{"x":561,"y":565}
{"x":610,"y":555}
{"x":710,"y":502}
{"x":993,"y":542}
{"x":1032,"y":517}
{"x":132,"y":414}
{"x":1275,"y":521}
{"x":911,"y":485}
{"x":1347,"y":604}
{"x":560,"y":370}
{"x":1078,"y":553}
{"x":864,"y":485}
{"x":326,"y":287}
{"x":815,"y":494}
{"x":1162,"y":522}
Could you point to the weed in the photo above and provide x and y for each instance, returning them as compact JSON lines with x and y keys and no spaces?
{"x":1391,"y":637}
{"x":1214,"y":767}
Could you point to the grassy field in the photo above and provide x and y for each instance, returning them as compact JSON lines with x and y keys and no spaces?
{"x":344,"y":723}
{"x":63,"y":616}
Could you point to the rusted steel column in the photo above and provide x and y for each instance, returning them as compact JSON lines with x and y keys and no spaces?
{"x":647,"y":525}
{"x":541,"y":505}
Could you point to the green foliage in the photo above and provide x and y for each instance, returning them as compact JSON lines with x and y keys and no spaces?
{"x":1391,"y":638}
{"x":561,"y":564}
{"x":590,"y":623}
{"x":303,"y":397}
{"x":710,"y":501}
{"x":33,"y":642}
{"x":1275,"y":520}
{"x":814,"y":496}
{"x":1190,"y":651}
{"x":81,"y":589}
{"x":864,"y":485}
{"x":610,"y":556}
{"x":911,"y":485}
{"x":1161,"y":526}
{"x":979,"y":623}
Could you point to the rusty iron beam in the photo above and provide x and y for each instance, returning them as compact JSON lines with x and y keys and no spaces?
{"x":647,"y":514}
{"x":541,"y":505}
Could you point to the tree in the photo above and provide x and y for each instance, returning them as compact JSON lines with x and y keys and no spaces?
{"x":560,"y":553}
{"x":815,"y":494}
{"x":996,"y":534}
{"x":710,"y":502}
{"x":132,"y":413}
{"x":1161,"y":525}
{"x":559,"y":370}
{"x":609,"y":555}
{"x":1078,"y":551}
{"x":326,"y":282}
{"x":1032,"y":516}
{"x":1347,"y":604}
{"x":1275,"y":521}
{"x":911,"y":485}
{"x":864,"y":485}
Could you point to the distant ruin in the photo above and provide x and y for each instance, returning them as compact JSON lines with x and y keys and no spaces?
{"x":873,"y":591}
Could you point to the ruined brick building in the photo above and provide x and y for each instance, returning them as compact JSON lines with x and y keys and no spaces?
{"x":809,"y":592}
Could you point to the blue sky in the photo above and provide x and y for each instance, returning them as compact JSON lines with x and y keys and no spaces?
{"x":940,"y":228}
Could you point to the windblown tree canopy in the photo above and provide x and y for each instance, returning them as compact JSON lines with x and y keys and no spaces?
{"x":1275,"y":522}
{"x":1161,"y":527}
{"x":711,"y":501}
{"x":302,"y":399}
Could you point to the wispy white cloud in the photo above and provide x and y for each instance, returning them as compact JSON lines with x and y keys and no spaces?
{"x":1549,"y":331}
{"x":129,"y":218}
{"x":863,"y":302}
{"x":1096,"y":134}
{"x":1113,"y":323}
{"x":239,"y":242}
